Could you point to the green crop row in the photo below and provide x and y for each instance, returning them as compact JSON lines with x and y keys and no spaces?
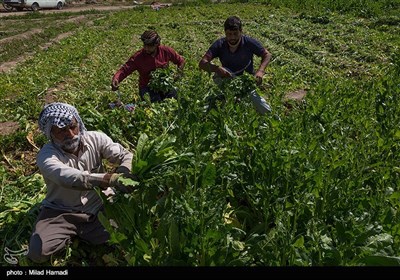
{"x":313,"y":183}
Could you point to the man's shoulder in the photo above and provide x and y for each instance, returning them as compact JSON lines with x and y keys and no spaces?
{"x":94,"y":134}
{"x":137,"y":54}
{"x":167,"y":51}
{"x":250,"y":40}
{"x":95,"y":138}
{"x":45,"y":148}
{"x":166,"y":48}
{"x":219,"y":44}
{"x":219,"y":41}
{"x":47,"y":151}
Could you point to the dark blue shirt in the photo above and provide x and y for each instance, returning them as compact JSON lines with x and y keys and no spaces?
{"x":239,"y":61}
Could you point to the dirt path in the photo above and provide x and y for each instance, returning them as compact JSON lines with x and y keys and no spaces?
{"x":10,"y":127}
{"x":69,"y":8}
{"x":9,"y":65}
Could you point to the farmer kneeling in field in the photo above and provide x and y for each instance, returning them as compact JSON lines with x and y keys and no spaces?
{"x":235,"y":52}
{"x":149,"y":58}
{"x":71,"y":165}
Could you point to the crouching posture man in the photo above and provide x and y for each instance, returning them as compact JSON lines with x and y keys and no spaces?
{"x":71,"y":165}
{"x":236,"y":53}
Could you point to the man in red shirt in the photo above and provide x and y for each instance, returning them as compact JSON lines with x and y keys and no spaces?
{"x":149,"y":58}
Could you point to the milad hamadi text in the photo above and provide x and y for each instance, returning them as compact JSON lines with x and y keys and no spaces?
{"x":38,"y":272}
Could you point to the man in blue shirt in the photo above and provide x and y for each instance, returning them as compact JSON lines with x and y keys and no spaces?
{"x":235,"y":52}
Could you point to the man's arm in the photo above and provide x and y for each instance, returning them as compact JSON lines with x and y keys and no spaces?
{"x":123,"y":72}
{"x":57,"y":173}
{"x":206,"y":65}
{"x":114,"y":152}
{"x":179,"y":68}
{"x":177,"y":59}
{"x":265,"y":59}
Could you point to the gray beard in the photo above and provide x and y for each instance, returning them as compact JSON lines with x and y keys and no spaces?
{"x":69,"y":145}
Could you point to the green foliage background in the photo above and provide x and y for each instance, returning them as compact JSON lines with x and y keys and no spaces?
{"x":314,"y":183}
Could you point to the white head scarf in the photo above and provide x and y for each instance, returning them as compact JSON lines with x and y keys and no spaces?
{"x":60,"y":115}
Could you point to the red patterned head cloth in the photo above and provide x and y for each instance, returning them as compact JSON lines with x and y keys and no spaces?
{"x":60,"y":115}
{"x":150,"y":37}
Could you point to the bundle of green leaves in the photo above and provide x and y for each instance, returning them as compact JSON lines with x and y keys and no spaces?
{"x":162,"y":80}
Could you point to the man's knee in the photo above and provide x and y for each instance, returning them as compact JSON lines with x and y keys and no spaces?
{"x":35,"y":252}
{"x":259,"y":103}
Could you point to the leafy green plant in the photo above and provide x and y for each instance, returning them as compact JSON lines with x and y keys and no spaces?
{"x":162,"y":80}
{"x":223,"y":185}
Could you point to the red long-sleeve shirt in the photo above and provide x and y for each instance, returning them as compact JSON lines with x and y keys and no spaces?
{"x":145,"y":63}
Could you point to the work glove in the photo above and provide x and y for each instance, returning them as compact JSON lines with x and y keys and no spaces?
{"x":125,"y":183}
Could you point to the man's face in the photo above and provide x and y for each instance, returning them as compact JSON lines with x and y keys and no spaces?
{"x":233,"y":36}
{"x":150,"y":49}
{"x":68,"y":137}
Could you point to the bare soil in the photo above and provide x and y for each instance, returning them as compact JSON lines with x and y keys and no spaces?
{"x":7,"y":128}
{"x":297,"y":95}
{"x":10,"y":127}
{"x":9,"y":65}
{"x":69,"y":8}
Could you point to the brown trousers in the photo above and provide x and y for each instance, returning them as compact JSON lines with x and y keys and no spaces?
{"x":54,"y":229}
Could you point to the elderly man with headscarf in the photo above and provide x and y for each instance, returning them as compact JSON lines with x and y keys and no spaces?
{"x":149,"y":58}
{"x":72,"y":167}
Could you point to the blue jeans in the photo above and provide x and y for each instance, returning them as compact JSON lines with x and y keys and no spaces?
{"x":259,"y":103}
{"x":157,"y":96}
